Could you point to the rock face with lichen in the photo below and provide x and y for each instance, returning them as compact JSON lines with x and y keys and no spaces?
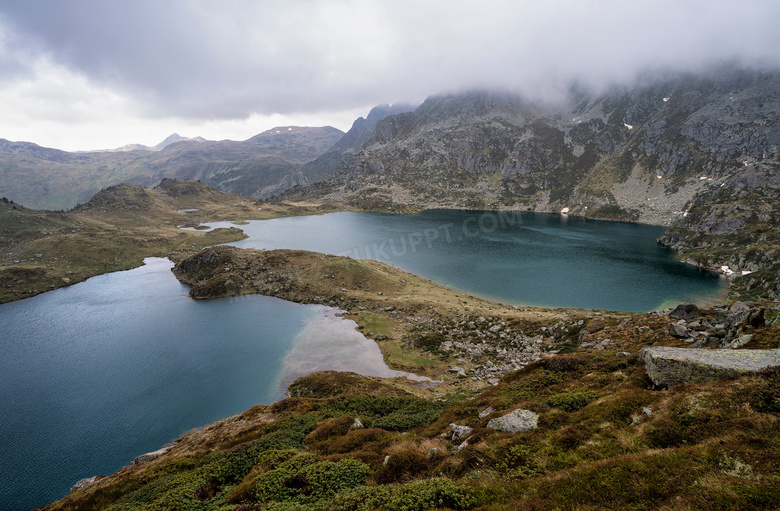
{"x":515,"y":421}
{"x":672,"y":366}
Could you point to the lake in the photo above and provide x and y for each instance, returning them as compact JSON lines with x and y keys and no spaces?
{"x":97,"y":373}
{"x":105,"y":370}
{"x":545,"y":260}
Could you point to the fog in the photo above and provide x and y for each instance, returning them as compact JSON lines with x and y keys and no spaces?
{"x":91,"y":72}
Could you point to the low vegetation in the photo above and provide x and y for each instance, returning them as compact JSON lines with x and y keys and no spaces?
{"x":605,"y":440}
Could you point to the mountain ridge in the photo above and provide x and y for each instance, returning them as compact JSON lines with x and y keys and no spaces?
{"x":44,"y":178}
{"x":657,"y":154}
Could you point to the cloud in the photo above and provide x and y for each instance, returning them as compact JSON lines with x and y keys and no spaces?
{"x":205,"y":61}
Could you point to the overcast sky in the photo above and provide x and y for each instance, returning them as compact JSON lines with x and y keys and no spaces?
{"x":80,"y":74}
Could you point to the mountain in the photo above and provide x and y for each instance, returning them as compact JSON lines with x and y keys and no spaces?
{"x":162,"y":145}
{"x":697,"y":152}
{"x":44,"y":178}
{"x":248,"y":167}
{"x":361,"y":131}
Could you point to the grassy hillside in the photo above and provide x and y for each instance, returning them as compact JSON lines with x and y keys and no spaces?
{"x":605,"y":440}
{"x":116,"y":230}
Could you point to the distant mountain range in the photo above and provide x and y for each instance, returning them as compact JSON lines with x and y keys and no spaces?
{"x":265,"y":165}
{"x":159,"y":147}
{"x":44,"y":178}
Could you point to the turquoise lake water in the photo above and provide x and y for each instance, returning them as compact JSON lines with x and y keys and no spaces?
{"x":517,"y":258}
{"x":100,"y":372}
{"x":97,"y":373}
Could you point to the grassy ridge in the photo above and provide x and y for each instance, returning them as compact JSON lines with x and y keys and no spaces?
{"x":43,"y":250}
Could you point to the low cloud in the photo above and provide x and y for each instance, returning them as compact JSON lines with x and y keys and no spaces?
{"x":205,"y":61}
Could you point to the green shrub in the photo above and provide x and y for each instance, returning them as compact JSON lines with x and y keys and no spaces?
{"x":765,"y":395}
{"x":516,"y":462}
{"x":416,"y":496}
{"x":304,"y":481}
{"x":386,"y":412}
{"x":288,"y":433}
{"x":571,"y":401}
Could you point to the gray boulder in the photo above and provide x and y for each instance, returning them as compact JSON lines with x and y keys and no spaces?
{"x":460,"y":431}
{"x":679,"y":331}
{"x":487,"y":411}
{"x":672,"y":366}
{"x":514,"y":422}
{"x":686,"y":311}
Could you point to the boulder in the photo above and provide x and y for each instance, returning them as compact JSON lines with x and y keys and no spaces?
{"x":686,"y":311}
{"x":515,"y":421}
{"x":484,"y":413}
{"x":679,"y":331}
{"x":672,"y":366}
{"x":460,"y":431}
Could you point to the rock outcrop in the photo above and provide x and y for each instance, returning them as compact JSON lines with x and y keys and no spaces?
{"x":674,"y":366}
{"x":515,"y":421}
{"x":84,"y":483}
{"x":150,"y":456}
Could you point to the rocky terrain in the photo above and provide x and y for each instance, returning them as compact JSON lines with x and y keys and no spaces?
{"x":637,"y":153}
{"x":361,"y":131}
{"x":526,"y":407}
{"x":468,"y":338}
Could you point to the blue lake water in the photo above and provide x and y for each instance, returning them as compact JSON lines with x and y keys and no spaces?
{"x":97,"y":373}
{"x":102,"y":371}
{"x":518,"y":258}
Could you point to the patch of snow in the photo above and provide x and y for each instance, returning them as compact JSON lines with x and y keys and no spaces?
{"x":278,"y":131}
{"x":685,"y":214}
{"x":746,"y":272}
{"x":703,"y":178}
{"x":564,"y":211}
{"x":666,"y":99}
{"x":725,"y":269}
{"x":628,"y":126}
{"x":289,"y":129}
{"x":659,"y":176}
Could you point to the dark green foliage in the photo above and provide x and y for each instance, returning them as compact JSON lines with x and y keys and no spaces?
{"x":305,"y":481}
{"x":765,"y":396}
{"x":571,"y":401}
{"x":515,"y":461}
{"x":562,"y":364}
{"x":665,"y":432}
{"x":391,"y":413}
{"x":416,"y":496}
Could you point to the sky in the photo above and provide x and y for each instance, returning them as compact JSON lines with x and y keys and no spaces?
{"x":99,"y":74}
